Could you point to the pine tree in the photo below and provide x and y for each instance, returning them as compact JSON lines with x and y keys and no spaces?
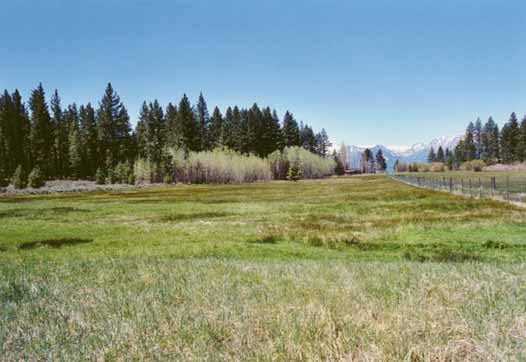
{"x":431,"y":156}
{"x":155,"y":128}
{"x":291,"y":132}
{"x":75,"y":149}
{"x":21,"y":128}
{"x":440,"y":155}
{"x":72,"y":126}
{"x":322,"y":143}
{"x":190,"y":135}
{"x":41,"y":131}
{"x":509,"y":140}
{"x":490,"y":141}
{"x":61,"y":136}
{"x":173,"y":128}
{"x":470,"y":149}
{"x":113,"y":127}
{"x":380,"y":161}
{"x":228,"y":129}
{"x":88,"y":135}
{"x":307,"y":138}
{"x":216,"y":131}
{"x":521,"y":145}
{"x":477,"y":138}
{"x":203,"y":120}
{"x":277,"y":132}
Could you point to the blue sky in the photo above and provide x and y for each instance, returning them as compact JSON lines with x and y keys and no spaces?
{"x":393,"y":72}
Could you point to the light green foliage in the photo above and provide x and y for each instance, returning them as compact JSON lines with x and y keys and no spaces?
{"x":475,"y":165}
{"x":19,"y":178}
{"x":36,"y":179}
{"x":100,"y":177}
{"x":308,"y":164}
{"x":358,"y":269}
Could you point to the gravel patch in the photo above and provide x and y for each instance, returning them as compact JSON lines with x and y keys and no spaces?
{"x":500,"y":167}
{"x":60,"y":186}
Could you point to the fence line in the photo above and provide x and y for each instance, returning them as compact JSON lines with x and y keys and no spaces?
{"x":506,"y":188}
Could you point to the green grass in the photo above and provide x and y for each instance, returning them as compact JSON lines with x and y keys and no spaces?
{"x":362,"y":268}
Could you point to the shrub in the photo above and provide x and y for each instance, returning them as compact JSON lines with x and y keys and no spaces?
{"x":36,"y":179}
{"x":131,"y":179}
{"x":111,"y":176}
{"x":475,"y":165}
{"x":142,"y":171}
{"x":309,"y":164}
{"x":122,"y":172}
{"x":19,"y":178}
{"x":223,"y":166}
{"x":100,"y":177}
{"x":294,"y":173}
{"x":437,"y":167}
{"x":168,"y":179}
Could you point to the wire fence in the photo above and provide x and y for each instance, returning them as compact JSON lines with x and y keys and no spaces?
{"x":508,"y":188}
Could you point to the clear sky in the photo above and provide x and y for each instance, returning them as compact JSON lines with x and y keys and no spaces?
{"x":393,"y":71}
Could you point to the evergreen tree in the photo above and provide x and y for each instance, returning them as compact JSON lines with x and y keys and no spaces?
{"x":41,"y":131}
{"x":237,"y":130}
{"x":470,"y":149}
{"x":190,"y":135}
{"x":155,"y":128}
{"x":440,"y":155}
{"x":477,"y":138}
{"x":173,"y":128}
{"x":509,"y":140}
{"x":380,"y":161}
{"x":228,"y":129}
{"x":88,"y":135}
{"x":61,"y":135}
{"x":216,"y":131}
{"x":322,"y":143}
{"x":490,"y":141}
{"x":72,"y":126}
{"x":307,"y":138}
{"x":521,"y":145}
{"x":113,"y":127}
{"x":203,"y":121}
{"x":339,"y":170}
{"x":277,"y":133}
{"x":459,"y":153}
{"x":291,"y":132}
{"x":431,"y":157}
{"x":21,"y":128}
{"x":75,"y":152}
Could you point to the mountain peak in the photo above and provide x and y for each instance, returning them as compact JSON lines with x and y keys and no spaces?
{"x":415,"y":153}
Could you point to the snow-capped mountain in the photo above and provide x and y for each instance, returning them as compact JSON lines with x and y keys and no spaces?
{"x":415,"y":153}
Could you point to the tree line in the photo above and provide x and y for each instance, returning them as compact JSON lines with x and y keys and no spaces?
{"x":85,"y":141}
{"x":488,"y":143}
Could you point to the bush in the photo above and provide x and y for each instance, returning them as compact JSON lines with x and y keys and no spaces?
{"x":111,"y":177}
{"x":309,"y":165}
{"x":142,"y":171}
{"x":122,"y":172}
{"x":131,"y":179}
{"x":475,"y":165}
{"x":168,"y":179}
{"x":36,"y":179}
{"x":437,"y":167}
{"x":100,"y":177}
{"x":294,"y":173}
{"x":19,"y":178}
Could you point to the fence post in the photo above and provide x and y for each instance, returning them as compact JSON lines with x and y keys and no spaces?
{"x":493,"y":186}
{"x":480,"y":188}
{"x":450,"y":184}
{"x":462,"y":186}
{"x":470,"y":193}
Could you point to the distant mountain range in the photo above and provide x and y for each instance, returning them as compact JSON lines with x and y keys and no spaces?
{"x":415,"y":153}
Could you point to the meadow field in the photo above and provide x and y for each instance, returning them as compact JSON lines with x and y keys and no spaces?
{"x":352,"y":269}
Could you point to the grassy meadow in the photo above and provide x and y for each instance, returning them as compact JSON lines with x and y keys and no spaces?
{"x":354,"y":269}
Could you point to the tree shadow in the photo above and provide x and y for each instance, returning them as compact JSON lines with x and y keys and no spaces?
{"x":53,"y":243}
